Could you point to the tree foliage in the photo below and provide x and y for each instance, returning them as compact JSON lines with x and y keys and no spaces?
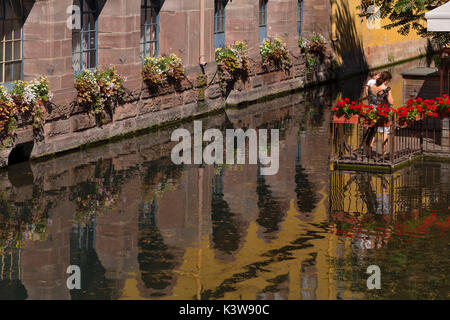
{"x":405,"y":16}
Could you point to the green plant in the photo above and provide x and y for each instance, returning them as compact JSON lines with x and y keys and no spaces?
{"x":156,"y":70}
{"x":30,"y":98}
{"x":232,"y":61}
{"x":317,"y":44}
{"x":311,"y":62}
{"x":303,"y":44}
{"x":99,"y":91}
{"x":274,"y":53}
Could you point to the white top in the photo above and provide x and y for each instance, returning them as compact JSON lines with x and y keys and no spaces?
{"x":438,"y":20}
{"x":371,"y":82}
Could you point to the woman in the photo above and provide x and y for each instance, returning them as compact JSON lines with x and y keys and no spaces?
{"x":380,"y":94}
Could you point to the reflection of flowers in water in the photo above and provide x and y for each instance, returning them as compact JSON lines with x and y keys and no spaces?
{"x":21,"y":222}
{"x":95,"y":196}
{"x":90,"y":205}
{"x":161,"y":187}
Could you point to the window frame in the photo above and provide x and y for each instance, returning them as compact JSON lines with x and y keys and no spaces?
{"x":262,"y":23}
{"x":220,"y":23}
{"x":300,"y":18}
{"x":147,"y":6}
{"x":3,"y":41}
{"x":81,"y":32}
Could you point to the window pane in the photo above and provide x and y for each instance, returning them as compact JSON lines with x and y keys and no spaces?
{"x":85,"y":57}
{"x":153,"y":46}
{"x":17,"y":71}
{"x":142,"y":53}
{"x":154,"y":34}
{"x":76,"y":61}
{"x":17,"y":49}
{"x":86,"y":40}
{"x":76,"y":41}
{"x":85,"y":22}
{"x":142,"y":34}
{"x":1,"y":73}
{"x":92,"y":22}
{"x":93,"y":40}
{"x":17,"y":29}
{"x":8,"y":29}
{"x":148,"y":49}
{"x":8,"y":72}
{"x":8,"y":51}
{"x":92,"y":60}
{"x":147,"y":32}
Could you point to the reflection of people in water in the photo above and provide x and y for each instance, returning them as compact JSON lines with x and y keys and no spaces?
{"x":383,"y":202}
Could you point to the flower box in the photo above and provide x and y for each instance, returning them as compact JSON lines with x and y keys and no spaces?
{"x":342,"y":119}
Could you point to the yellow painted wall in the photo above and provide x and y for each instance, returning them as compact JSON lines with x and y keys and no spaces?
{"x":380,"y":46}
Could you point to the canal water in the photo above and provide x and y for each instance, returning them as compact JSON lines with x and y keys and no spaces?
{"x":140,"y":227}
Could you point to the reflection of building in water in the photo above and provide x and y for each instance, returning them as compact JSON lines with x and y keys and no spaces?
{"x":164,"y":231}
{"x":308,"y":278}
{"x":156,"y":259}
{"x":359,"y":193}
{"x":227,"y":229}
{"x":366,"y":208}
{"x":95,"y":285}
{"x":270,"y":211}
{"x":11,"y":286}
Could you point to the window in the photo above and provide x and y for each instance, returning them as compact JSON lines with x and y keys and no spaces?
{"x":219,"y":23}
{"x":149,"y":28}
{"x":262,"y":20}
{"x":84,"y":40}
{"x":11,"y":23}
{"x":300,"y":18}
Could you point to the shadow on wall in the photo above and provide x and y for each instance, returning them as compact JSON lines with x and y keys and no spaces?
{"x":349,"y":46}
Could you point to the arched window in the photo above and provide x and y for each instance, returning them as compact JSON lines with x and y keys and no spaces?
{"x":150,"y":28}
{"x":262,"y":20}
{"x":84,"y":40}
{"x":219,"y":23}
{"x":11,"y":22}
{"x":300,"y":18}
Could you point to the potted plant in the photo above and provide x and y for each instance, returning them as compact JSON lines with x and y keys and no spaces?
{"x":274,"y":54}
{"x":233,"y":62}
{"x":346,"y":111}
{"x":407,"y":113}
{"x":443,"y":106}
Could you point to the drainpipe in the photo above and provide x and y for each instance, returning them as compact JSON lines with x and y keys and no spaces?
{"x":202,"y":33}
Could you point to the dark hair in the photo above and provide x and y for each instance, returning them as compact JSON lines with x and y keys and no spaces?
{"x":373,"y":73}
{"x":384,"y":76}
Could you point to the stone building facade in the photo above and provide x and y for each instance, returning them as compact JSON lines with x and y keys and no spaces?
{"x":123,"y":32}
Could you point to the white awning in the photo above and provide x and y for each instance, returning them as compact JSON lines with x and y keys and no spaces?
{"x":438,"y":20}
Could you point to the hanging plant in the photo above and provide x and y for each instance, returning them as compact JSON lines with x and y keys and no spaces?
{"x":100,"y":91}
{"x":317,"y":45}
{"x":275,"y":54}
{"x":233,"y":62}
{"x":156,"y":70}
